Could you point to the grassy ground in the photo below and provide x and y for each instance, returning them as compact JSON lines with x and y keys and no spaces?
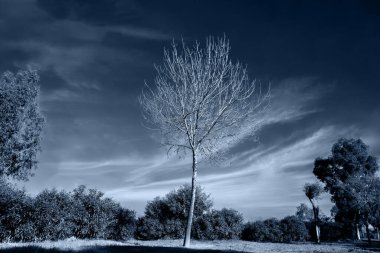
{"x":171,"y":246}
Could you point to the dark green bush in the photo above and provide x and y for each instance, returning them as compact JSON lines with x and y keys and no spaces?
{"x":263,"y":231}
{"x":123,"y":226}
{"x":166,"y":217}
{"x":53,"y":215}
{"x":149,"y":229}
{"x":16,"y":210}
{"x":218,"y":225}
{"x":293,"y":229}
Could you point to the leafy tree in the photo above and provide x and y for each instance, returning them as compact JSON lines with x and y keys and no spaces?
{"x":312,"y":192}
{"x":52,"y":217}
{"x":350,"y":161}
{"x":202,"y":102}
{"x":20,"y":125}
{"x":365,"y":192}
{"x":93,"y":213}
{"x":166,"y":217}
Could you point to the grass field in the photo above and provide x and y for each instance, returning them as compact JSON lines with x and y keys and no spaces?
{"x":171,"y":246}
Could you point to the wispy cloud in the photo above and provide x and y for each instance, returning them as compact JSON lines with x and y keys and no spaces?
{"x":140,"y":33}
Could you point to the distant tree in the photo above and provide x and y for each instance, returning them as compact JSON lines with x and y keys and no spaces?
{"x":350,"y":161}
{"x":202,"y":102}
{"x":20,"y":125}
{"x":304,"y":213}
{"x":166,"y":217}
{"x":312,"y":192}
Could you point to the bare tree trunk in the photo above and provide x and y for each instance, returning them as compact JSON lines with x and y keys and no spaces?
{"x":368,"y":233}
{"x":318,"y":232}
{"x":358,"y":232}
{"x":316,"y":219}
{"x":186,"y":242}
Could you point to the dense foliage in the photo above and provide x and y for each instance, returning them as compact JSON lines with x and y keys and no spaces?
{"x":222,"y":224}
{"x":349,"y":174}
{"x":52,"y":215}
{"x":166,"y":218}
{"x":288,"y":229}
{"x":20,"y":125}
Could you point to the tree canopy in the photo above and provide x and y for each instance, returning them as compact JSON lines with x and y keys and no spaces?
{"x":349,"y":174}
{"x":20,"y":125}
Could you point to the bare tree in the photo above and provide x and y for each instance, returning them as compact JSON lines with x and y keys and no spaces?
{"x":312,"y":192}
{"x":201,"y":103}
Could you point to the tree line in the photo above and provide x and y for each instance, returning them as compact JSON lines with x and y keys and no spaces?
{"x":56,"y":215}
{"x":87,"y":214}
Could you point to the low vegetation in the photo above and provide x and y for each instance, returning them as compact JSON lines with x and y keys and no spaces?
{"x":52,"y":215}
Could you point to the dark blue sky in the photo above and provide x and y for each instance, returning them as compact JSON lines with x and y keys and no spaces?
{"x":322,"y":59}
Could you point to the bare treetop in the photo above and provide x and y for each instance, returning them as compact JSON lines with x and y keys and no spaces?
{"x":202,"y":98}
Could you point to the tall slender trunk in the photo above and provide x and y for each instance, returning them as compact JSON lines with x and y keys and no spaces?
{"x":186,"y":242}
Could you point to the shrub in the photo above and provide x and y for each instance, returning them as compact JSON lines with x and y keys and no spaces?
{"x":254,"y":231}
{"x":263,"y":231}
{"x":274,"y":231}
{"x":54,"y":215}
{"x":218,"y":225}
{"x":51,"y":216}
{"x":331,"y":231}
{"x":203,"y":228}
{"x":15,"y":214}
{"x":293,"y":229}
{"x":97,"y":217}
{"x":149,"y":229}
{"x":124,"y":225}
{"x":166,"y":217}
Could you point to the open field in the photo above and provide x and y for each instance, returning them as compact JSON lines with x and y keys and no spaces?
{"x":171,"y":246}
